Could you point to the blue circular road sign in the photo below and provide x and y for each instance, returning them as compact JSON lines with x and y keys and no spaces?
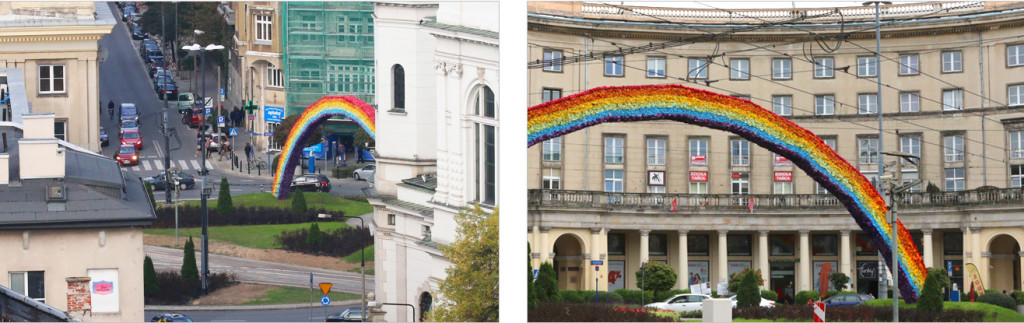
{"x":325,"y":300}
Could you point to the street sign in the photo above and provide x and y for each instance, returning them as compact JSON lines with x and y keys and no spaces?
{"x":325,"y":301}
{"x":208,"y":111}
{"x":232,"y":132}
{"x":535,"y":273}
{"x":597,"y":262}
{"x":251,"y":117}
{"x":325,"y":288}
{"x":220,"y":121}
{"x":273,"y":114}
{"x":209,"y":102}
{"x":221,"y":91}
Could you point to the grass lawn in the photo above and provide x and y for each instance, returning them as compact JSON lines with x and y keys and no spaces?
{"x":318,"y":200}
{"x":292,"y":295}
{"x":354,"y":258}
{"x":993,"y":313}
{"x":252,"y":236}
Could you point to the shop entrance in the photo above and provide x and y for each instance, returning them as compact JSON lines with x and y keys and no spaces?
{"x":783,"y":277}
{"x":867,"y":278}
{"x":569,"y":262}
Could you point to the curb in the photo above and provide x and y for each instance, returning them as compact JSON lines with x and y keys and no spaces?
{"x":181,"y":308}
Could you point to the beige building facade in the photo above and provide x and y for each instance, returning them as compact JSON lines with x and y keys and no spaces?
{"x":257,"y":69}
{"x":950,"y":95}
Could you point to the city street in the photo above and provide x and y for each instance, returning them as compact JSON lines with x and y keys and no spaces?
{"x":316,"y":314}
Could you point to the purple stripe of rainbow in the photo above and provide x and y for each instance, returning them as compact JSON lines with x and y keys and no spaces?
{"x":314,"y":115}
{"x":807,"y":151}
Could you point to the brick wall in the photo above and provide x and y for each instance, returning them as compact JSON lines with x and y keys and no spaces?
{"x":79,"y":297}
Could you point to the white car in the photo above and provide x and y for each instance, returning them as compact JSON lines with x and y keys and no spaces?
{"x":365,"y":173}
{"x":681,"y":303}
{"x":764,"y":302}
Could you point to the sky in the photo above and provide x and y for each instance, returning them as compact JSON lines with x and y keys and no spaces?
{"x":743,"y":4}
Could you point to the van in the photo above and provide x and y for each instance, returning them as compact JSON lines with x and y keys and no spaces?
{"x":129,"y":112}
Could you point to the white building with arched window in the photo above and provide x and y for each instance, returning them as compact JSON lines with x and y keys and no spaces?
{"x":437,"y":128}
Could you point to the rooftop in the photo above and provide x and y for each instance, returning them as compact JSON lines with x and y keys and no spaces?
{"x":47,"y":14}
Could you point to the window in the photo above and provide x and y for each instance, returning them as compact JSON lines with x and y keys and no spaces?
{"x":867,"y":66}
{"x":655,"y":151}
{"x":740,"y":184}
{"x":552,"y":179}
{"x":911,"y":145}
{"x":391,"y":219}
{"x":909,"y":64}
{"x":1016,"y":176}
{"x":613,"y":180}
{"x":1015,"y":55}
{"x":1017,"y":144}
{"x":552,"y":60}
{"x":782,"y":68}
{"x":824,"y":245}
{"x":1015,"y":95}
{"x":783,"y":187}
{"x":486,"y":143}
{"x":51,"y":79}
{"x":910,"y":101}
{"x":739,"y":69}
{"x":952,"y":62}
{"x":550,"y":94}
{"x":864,"y":245}
{"x":698,"y":187}
{"x":740,"y":153}
{"x":613,"y":150}
{"x":552,"y":149}
{"x":613,"y":65}
{"x":616,"y":244}
{"x":657,"y":244}
{"x":953,"y":243}
{"x":398,"y":82}
{"x":867,"y":103}
{"x":782,"y":105}
{"x":824,"y":105}
{"x":264,"y":33}
{"x":656,"y":189}
{"x":697,"y":245}
{"x":698,"y":151}
{"x":29,"y":283}
{"x":782,"y":244}
{"x":275,"y":77}
{"x":655,"y":67}
{"x":952,"y":100}
{"x":953,"y":148}
{"x":738,"y":244}
{"x":954,"y":179}
{"x":824,"y":67}
{"x":698,"y":68}
{"x":60,"y":130}
{"x":868,"y":148}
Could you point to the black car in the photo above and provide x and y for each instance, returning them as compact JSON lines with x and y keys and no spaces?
{"x":137,"y":32}
{"x":147,"y":44}
{"x":171,"y":317}
{"x":349,"y":315}
{"x":311,"y":183}
{"x":153,"y":55}
{"x":185,"y":181}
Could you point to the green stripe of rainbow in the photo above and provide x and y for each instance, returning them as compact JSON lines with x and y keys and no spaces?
{"x":742,"y":117}
{"x":315,"y":115}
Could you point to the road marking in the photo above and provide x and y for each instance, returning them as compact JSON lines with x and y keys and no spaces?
{"x":183,"y":165}
{"x":158,"y":164}
{"x":195,"y":164}
{"x":159,"y":152}
{"x":135,"y":168}
{"x":209,"y":165}
{"x":144,"y":164}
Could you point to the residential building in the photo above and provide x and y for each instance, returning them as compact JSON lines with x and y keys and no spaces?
{"x":56,"y":45}
{"x":437,"y":140}
{"x":257,"y":67}
{"x":951,"y":95}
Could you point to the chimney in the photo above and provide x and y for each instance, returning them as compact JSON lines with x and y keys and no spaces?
{"x":40,"y":153}
{"x":38,"y":125}
{"x":79,"y":296}
{"x":5,"y":169}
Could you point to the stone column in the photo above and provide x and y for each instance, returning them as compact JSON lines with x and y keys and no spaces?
{"x":595,"y":254}
{"x":723,"y":259}
{"x":762,"y":258}
{"x":804,"y":277}
{"x":1021,"y":255}
{"x":984,"y":269}
{"x":976,"y":248}
{"x":926,"y":243}
{"x":544,"y":248}
{"x":844,"y":253}
{"x":645,"y":245}
{"x":684,"y":261}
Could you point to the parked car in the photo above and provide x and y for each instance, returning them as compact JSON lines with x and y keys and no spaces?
{"x":194,"y":117}
{"x":153,"y":64}
{"x":129,"y":112}
{"x":147,"y":44}
{"x":184,"y":180}
{"x":127,"y":155}
{"x":128,"y":125}
{"x":311,"y":183}
{"x":134,"y":18}
{"x":764,"y":302}
{"x":171,"y":317}
{"x":104,"y":140}
{"x":848,"y":299}
{"x":349,"y":315}
{"x":161,"y":71}
{"x":132,"y":137}
{"x":137,"y":32}
{"x":128,"y":11}
{"x":165,"y":87}
{"x":681,"y":303}
{"x":218,"y":140}
{"x":185,"y":101}
{"x":365,"y":172}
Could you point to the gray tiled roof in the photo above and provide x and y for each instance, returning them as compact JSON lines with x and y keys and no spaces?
{"x":432,"y":22}
{"x":422,"y":210}
{"x":427,"y":181}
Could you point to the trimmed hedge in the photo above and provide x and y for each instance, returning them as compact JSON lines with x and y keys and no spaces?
{"x":587,"y":296}
{"x":998,"y":299}
{"x":804,"y":313}
{"x":176,"y":291}
{"x":1019,"y":297}
{"x":343,"y":172}
{"x":593,"y":312}
{"x":769,"y":295}
{"x":192,"y":216}
{"x":630,"y":296}
{"x":338,"y":243}
{"x":803,"y":296}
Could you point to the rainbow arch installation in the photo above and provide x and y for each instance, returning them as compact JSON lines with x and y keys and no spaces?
{"x":752,"y":122}
{"x":311,"y":118}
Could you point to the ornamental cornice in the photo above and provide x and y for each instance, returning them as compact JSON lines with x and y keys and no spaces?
{"x":50,"y":38}
{"x":464,"y":39}
{"x":448,"y":66}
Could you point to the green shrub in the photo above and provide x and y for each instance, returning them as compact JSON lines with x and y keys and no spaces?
{"x":746,"y":293}
{"x":608,"y":297}
{"x":343,"y":172}
{"x":531,"y":295}
{"x":998,"y":299}
{"x":299,"y":202}
{"x":570,"y":296}
{"x":314,"y":237}
{"x":837,"y":281}
{"x":546,"y":285}
{"x":663,"y":295}
{"x":149,"y":189}
{"x":803,"y":296}
{"x":1019,"y":297}
{"x":151,"y":284}
{"x":633,"y":296}
{"x":587,"y":296}
{"x":931,"y":295}
{"x":656,"y":277}
{"x":189,"y":271}
{"x":734,"y":279}
{"x":769,"y":295}
{"x":224,"y":205}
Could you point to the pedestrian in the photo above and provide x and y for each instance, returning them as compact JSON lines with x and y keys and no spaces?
{"x":110,"y":109}
{"x":248,"y":152}
{"x":359,"y":155}
{"x":236,"y":117}
{"x":199,"y":146}
{"x":209,"y":150}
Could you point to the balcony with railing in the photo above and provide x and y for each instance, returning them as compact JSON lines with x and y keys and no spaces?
{"x":542,"y":198}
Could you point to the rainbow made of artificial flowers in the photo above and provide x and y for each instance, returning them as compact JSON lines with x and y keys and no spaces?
{"x":311,"y":118}
{"x":748,"y":120}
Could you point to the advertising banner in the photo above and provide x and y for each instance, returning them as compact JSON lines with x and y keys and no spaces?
{"x":974,"y":279}
{"x":698,"y":176}
{"x":698,"y":159}
{"x":616,"y":277}
{"x":783,"y":176}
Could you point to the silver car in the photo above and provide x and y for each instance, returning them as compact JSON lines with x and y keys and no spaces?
{"x":364,"y":173}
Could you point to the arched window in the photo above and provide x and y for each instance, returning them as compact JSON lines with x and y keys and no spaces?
{"x":425,"y":303}
{"x":398,"y":87}
{"x":486,"y":143}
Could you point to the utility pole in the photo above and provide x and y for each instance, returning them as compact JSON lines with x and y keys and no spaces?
{"x":206,"y":215}
{"x":166,"y":129}
{"x":881,"y":161}
{"x":896,"y":189}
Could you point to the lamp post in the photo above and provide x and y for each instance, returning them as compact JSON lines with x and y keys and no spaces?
{"x":362,"y":262}
{"x":897,"y":187}
{"x":205,"y":194}
{"x":375,"y":304}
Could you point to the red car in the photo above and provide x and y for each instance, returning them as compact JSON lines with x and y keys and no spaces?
{"x":132,"y":137}
{"x":127,"y":156}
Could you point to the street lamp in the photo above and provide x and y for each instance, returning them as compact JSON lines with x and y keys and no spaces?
{"x":205,"y":194}
{"x":377,"y":305}
{"x":362,"y":261}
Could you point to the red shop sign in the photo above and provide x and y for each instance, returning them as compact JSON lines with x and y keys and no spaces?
{"x":698,"y":160}
{"x":698,"y":176}
{"x":783,"y":176}
{"x":780,"y":160}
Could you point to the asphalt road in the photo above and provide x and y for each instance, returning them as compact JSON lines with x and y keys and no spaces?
{"x":316,"y":314}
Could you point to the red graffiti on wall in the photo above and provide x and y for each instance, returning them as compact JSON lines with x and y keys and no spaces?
{"x":614,"y":275}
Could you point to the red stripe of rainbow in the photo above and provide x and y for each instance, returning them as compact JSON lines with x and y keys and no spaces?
{"x":314,"y":115}
{"x":742,"y":117}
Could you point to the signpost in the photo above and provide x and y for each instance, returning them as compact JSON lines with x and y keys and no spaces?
{"x":233,"y":132}
{"x":325,"y":300}
{"x":220,"y":121}
{"x":208,"y":111}
{"x":208,"y":102}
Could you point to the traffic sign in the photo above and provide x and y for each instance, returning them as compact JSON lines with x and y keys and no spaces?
{"x":209,"y":102}
{"x":251,"y":117}
{"x":597,"y":262}
{"x":232,"y":132}
{"x":325,"y":300}
{"x":325,"y":288}
{"x":208,"y":111}
{"x":220,"y":121}
{"x":535,"y":273}
{"x":221,"y":91}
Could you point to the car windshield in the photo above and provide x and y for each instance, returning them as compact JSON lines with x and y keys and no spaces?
{"x":152,"y":47}
{"x":127,"y":150}
{"x":129,"y":124}
{"x":185,"y":97}
{"x":128,"y":111}
{"x":131,"y":135}
{"x":155,"y":53}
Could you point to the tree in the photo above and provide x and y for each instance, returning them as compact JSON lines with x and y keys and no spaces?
{"x":314,"y":238}
{"x":656,"y":277}
{"x":224,"y":205}
{"x":151,"y":284}
{"x":838,"y":281}
{"x":531,"y":296}
{"x":931,"y":293}
{"x":299,"y":202}
{"x":285,"y":128}
{"x":149,"y":189}
{"x":546,"y":286}
{"x":471,"y":289}
{"x":737,"y":278}
{"x":932,"y":188}
{"x":189,"y":271}
{"x":747,"y":294}
{"x":361,"y":139}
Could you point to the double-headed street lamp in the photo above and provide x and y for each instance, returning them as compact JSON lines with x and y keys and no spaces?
{"x":205,"y":194}
{"x":362,"y":259}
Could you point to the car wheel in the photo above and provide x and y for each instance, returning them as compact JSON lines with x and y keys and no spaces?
{"x":356,"y":176}
{"x":182,"y":186}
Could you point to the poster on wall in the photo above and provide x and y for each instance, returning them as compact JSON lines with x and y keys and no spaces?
{"x":104,"y":288}
{"x":817,"y":272}
{"x":698,"y":272}
{"x":656,"y":178}
{"x":616,"y":278}
{"x":736,"y":266}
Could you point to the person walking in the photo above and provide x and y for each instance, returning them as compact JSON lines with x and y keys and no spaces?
{"x":110,"y":109}
{"x":199,"y":147}
{"x":248,"y":152}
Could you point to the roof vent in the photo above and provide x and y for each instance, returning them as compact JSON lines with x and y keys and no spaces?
{"x":56,"y":193}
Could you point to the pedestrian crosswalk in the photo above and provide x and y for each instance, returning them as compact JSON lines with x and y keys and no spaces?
{"x":190,"y":164}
